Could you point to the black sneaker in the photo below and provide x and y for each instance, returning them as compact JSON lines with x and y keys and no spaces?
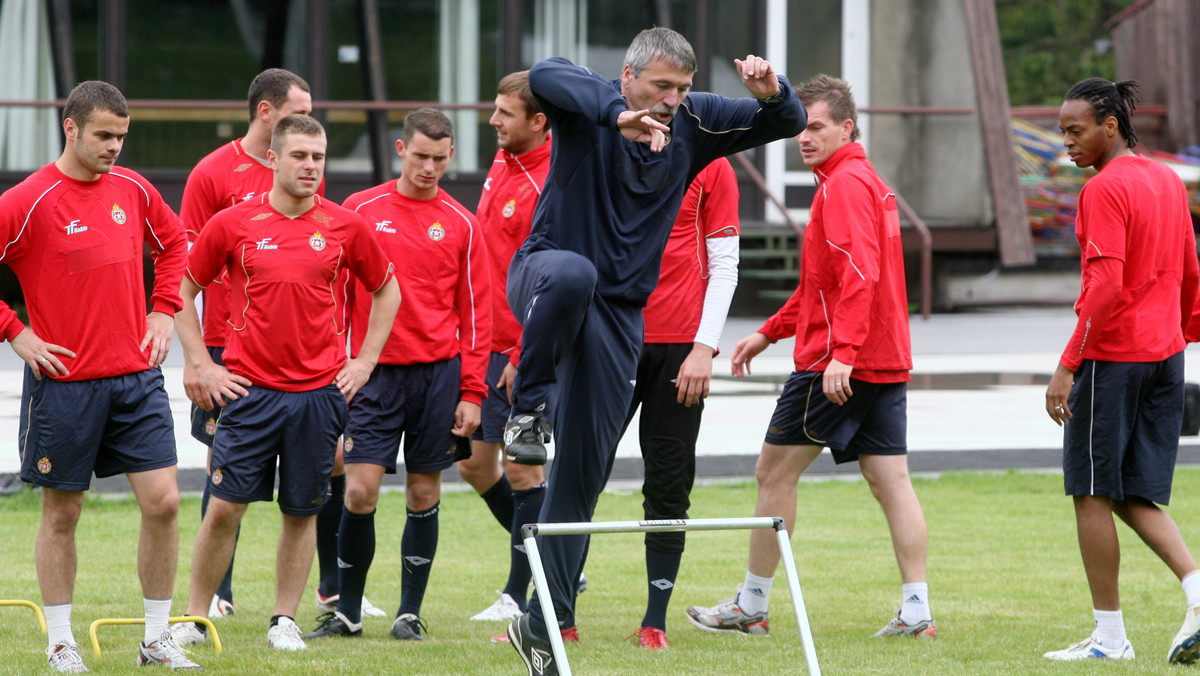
{"x":334,"y":624}
{"x":408,"y":627}
{"x":523,"y":439}
{"x":536,"y":652}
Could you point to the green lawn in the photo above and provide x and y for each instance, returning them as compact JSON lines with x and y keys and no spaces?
{"x":1005,"y":581}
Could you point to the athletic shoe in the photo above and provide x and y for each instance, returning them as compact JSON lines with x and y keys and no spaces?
{"x":581,"y":586}
{"x":409,"y":627}
{"x":536,"y":652}
{"x":1185,"y":649}
{"x":1090,"y":648}
{"x":650,"y":638}
{"x":65,"y":657}
{"x":505,"y":608}
{"x":220,"y":607}
{"x":523,"y":439}
{"x":334,"y":624}
{"x":285,"y":635}
{"x":188,"y":633}
{"x":328,"y":604}
{"x":922,"y":629}
{"x":571,"y":635}
{"x":166,"y":651}
{"x":726,"y":616}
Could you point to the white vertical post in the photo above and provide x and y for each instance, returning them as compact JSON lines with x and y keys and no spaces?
{"x":793,"y":580}
{"x":543,"y":593}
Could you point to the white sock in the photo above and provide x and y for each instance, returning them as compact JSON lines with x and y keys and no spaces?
{"x":58,"y":623}
{"x":1110,"y":628}
{"x":1191,"y":587}
{"x":755,"y":592}
{"x":157,"y":613}
{"x":915,"y":603}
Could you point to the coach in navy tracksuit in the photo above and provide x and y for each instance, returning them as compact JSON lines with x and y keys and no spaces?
{"x":619,"y":167}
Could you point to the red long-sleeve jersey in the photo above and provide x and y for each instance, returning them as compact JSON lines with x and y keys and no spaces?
{"x":851,"y":304}
{"x":76,"y":247}
{"x":441,"y":266}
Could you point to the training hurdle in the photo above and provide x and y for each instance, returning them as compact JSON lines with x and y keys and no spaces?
{"x":27,"y":604}
{"x":212,"y":631}
{"x":530,"y":532}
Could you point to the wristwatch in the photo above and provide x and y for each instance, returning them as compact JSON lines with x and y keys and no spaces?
{"x":773,"y":98}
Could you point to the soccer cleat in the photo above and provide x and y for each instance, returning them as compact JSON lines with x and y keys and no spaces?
{"x":328,"y":604}
{"x":166,"y":651}
{"x":581,"y":586}
{"x":409,"y":627}
{"x":922,"y":629}
{"x":727,"y":616}
{"x":220,"y":607}
{"x":536,"y":652}
{"x":571,"y":634}
{"x":64,"y":657}
{"x":188,"y":633}
{"x":333,"y":624}
{"x":523,"y":439}
{"x":505,"y":608}
{"x":1185,"y":649}
{"x":650,"y":638}
{"x":285,"y":635}
{"x":1089,"y":649}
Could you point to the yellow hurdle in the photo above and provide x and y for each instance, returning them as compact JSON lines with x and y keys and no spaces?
{"x":212,"y":630}
{"x":32,"y":606}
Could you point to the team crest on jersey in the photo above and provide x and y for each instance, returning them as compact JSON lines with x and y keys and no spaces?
{"x":349,"y":446}
{"x":242,"y":167}
{"x":510,"y":208}
{"x":217,"y":477}
{"x":261,"y":216}
{"x":210,"y":426}
{"x":118,"y":214}
{"x":44,"y":466}
{"x":317,"y":241}
{"x":436,"y":232}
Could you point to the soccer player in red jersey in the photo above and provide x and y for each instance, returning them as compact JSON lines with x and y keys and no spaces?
{"x":513,"y":491}
{"x":853,"y":356}
{"x":231,"y":174}
{"x":683,"y":318}
{"x":73,"y":232}
{"x":286,"y":378}
{"x":1118,"y":386}
{"x":428,"y":385}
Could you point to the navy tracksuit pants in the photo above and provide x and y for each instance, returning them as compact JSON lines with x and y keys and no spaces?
{"x":586,"y":348}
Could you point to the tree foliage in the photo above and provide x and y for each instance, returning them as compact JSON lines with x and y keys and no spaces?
{"x":1049,"y":45}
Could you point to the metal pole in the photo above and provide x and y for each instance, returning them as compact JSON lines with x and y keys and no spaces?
{"x":793,"y":580}
{"x":542,"y":588}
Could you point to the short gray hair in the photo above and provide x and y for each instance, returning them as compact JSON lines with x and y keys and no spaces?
{"x":660,"y":43}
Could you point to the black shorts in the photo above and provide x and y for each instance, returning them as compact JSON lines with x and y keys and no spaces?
{"x":874,"y":421}
{"x":413,"y":401}
{"x":68,"y":430}
{"x":204,"y":423}
{"x":1123,"y":435}
{"x":297,"y":430}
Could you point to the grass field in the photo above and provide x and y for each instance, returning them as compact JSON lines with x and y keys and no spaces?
{"x":1005,"y":580}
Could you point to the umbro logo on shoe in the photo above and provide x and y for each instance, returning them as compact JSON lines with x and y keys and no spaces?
{"x":663,"y":584}
{"x":541,"y":660}
{"x":417,"y":560}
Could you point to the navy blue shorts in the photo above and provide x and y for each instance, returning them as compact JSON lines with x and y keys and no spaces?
{"x":413,"y":401}
{"x":496,"y":409}
{"x":204,"y":423}
{"x":68,"y":430}
{"x":872,"y":422}
{"x":1123,"y":435}
{"x":296,"y":430}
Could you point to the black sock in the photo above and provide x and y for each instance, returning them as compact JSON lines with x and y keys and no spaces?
{"x":225,"y":589}
{"x":356,"y":549}
{"x":500,"y":498}
{"x":328,"y":521}
{"x":417,"y":549}
{"x":661,"y":570}
{"x":528,"y":504}
{"x":275,"y":620}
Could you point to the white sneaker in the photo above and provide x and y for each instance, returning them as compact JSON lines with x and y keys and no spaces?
{"x":187,"y":633}
{"x":285,"y":635}
{"x":64,"y":657}
{"x":328,"y":604}
{"x":1185,"y":649}
{"x":166,"y":651}
{"x":1090,"y":648}
{"x":220,"y":607}
{"x":505,"y":608}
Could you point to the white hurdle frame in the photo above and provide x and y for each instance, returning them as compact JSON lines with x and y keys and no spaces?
{"x":530,"y":532}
